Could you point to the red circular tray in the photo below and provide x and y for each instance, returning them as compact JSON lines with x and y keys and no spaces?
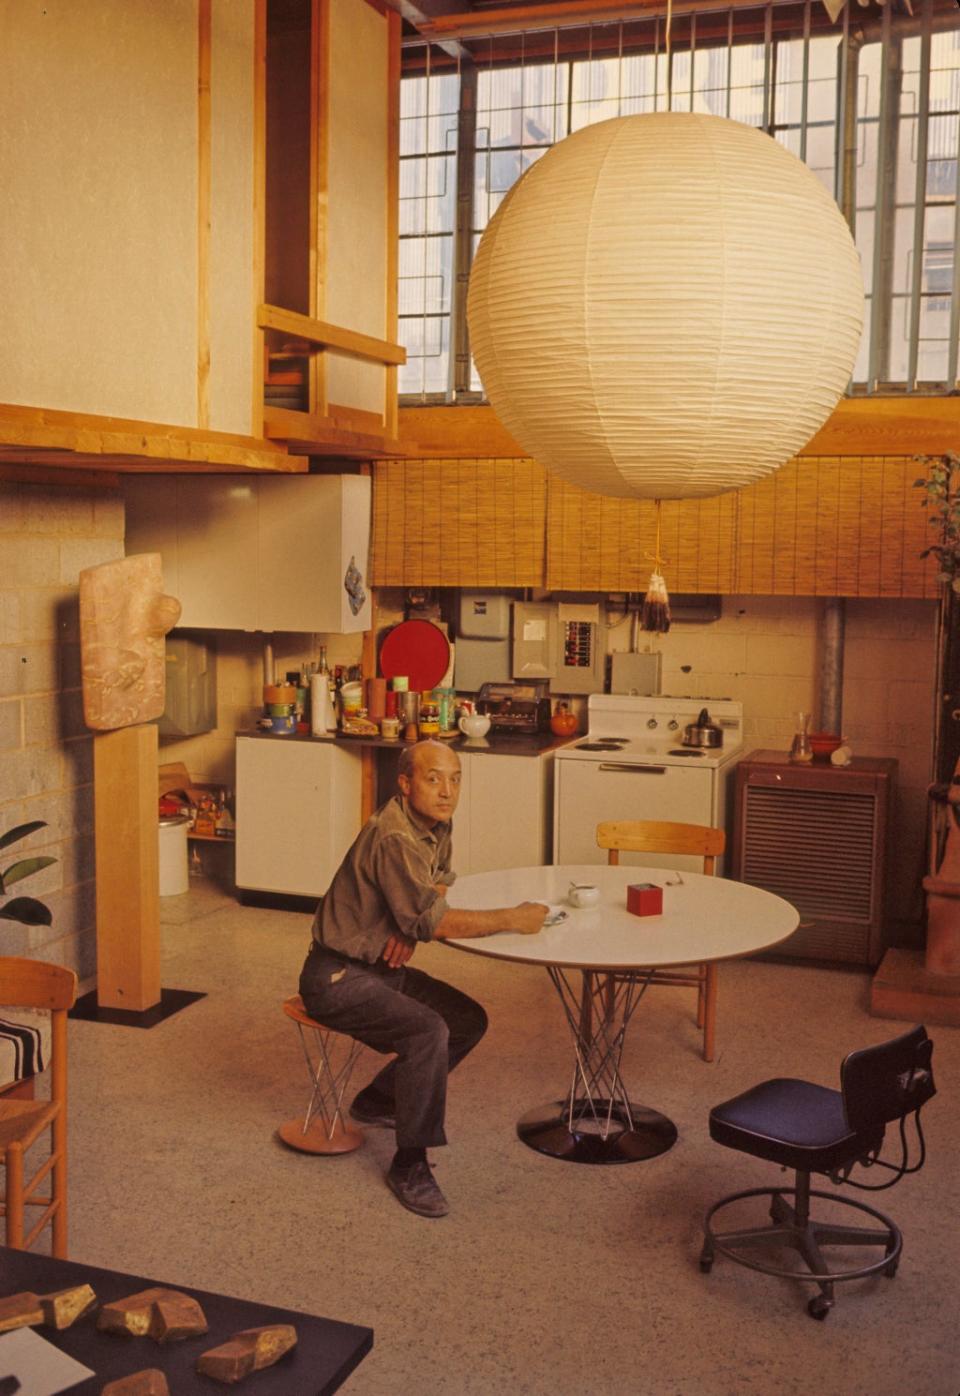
{"x":419,"y":649}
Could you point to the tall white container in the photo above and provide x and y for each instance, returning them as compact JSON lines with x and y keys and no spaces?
{"x":323,"y":717}
{"x":174,"y":871}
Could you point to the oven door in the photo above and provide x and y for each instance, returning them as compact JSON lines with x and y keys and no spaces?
{"x":586,"y":793}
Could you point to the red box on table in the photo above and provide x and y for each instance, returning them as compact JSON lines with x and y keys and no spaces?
{"x":645,"y":899}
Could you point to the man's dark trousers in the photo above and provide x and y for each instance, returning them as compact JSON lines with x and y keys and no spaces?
{"x":429,"y":1025}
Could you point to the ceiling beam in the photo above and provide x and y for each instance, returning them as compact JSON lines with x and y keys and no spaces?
{"x":560,"y":14}
{"x":421,"y":12}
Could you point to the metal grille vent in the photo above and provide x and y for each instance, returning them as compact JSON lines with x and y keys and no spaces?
{"x":813,"y":847}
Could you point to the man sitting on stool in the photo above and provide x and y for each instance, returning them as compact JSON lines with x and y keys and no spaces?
{"x":387,"y":894}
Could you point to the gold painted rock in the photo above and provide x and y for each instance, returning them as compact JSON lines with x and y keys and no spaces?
{"x":247,"y":1352}
{"x":19,"y":1311}
{"x":150,"y":1382}
{"x":62,"y":1308}
{"x":163,"y":1314}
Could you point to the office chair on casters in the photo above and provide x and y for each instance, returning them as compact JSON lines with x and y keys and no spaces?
{"x":812,"y":1129}
{"x":663,"y":836}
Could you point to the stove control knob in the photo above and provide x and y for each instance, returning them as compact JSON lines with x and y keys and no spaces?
{"x":651,"y":722}
{"x":673,"y":724}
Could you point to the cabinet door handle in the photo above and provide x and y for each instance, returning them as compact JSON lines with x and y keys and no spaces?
{"x":621,"y":767}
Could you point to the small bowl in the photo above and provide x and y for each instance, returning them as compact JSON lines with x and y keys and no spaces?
{"x":583,"y":894}
{"x":824,"y":744}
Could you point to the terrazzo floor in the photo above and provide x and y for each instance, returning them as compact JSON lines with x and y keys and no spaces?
{"x":546,"y":1277}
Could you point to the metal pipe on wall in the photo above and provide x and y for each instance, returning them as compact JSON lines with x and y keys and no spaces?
{"x":832,"y":628}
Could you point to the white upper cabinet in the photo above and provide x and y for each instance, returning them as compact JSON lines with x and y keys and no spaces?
{"x":257,"y":553}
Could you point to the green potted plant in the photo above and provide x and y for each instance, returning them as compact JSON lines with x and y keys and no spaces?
{"x":27,"y":910}
{"x":942,"y":501}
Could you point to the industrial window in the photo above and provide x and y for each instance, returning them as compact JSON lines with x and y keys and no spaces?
{"x":871,"y":104}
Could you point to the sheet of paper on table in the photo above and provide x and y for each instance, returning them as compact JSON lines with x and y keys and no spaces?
{"x":41,"y":1369}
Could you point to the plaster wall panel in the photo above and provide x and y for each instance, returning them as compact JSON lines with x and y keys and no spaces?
{"x":98,"y":242}
{"x":355,"y":291}
{"x":231,"y":223}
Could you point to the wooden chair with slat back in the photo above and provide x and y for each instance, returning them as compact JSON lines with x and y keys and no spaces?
{"x":698,"y":840}
{"x":33,"y":984}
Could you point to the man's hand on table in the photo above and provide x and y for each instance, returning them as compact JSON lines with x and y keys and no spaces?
{"x":530,"y":917}
{"x":398,"y":950}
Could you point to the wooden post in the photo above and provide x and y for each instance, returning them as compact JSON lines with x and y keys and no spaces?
{"x":128,"y":871}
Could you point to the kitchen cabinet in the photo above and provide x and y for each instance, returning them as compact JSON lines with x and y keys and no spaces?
{"x":504,"y":818}
{"x":298,"y":811}
{"x":249,"y":553}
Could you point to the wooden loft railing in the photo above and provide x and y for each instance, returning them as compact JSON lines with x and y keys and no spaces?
{"x":326,"y":428}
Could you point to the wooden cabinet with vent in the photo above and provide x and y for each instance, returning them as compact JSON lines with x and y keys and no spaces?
{"x":818,"y":835}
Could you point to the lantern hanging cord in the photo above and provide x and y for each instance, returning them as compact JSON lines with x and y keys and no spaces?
{"x":655,"y":612}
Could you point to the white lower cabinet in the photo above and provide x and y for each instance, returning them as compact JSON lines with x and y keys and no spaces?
{"x":298,"y":811}
{"x":504,"y":818}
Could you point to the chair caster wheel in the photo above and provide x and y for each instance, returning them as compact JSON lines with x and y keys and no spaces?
{"x":706,"y":1260}
{"x":891,"y":1269}
{"x":818,"y":1307}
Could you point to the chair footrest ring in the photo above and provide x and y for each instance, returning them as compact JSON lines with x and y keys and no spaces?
{"x":806,"y":1238}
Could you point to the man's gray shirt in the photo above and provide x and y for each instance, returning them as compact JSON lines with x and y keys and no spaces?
{"x":386,"y":884}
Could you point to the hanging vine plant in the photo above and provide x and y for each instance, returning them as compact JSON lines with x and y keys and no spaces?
{"x":942,"y":502}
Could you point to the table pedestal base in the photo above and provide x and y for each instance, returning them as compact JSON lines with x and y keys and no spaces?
{"x":622,"y":1139}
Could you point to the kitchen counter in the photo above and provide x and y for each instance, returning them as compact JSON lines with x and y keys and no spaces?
{"x":494,"y":744}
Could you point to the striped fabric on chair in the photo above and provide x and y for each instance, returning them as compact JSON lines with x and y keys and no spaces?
{"x":24,"y":1044}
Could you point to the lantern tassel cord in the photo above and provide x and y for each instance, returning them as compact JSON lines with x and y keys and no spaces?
{"x":655,"y":613}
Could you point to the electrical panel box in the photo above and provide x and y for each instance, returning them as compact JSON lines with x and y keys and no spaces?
{"x":191,"y":687}
{"x":635,"y":673}
{"x":563,"y":643}
{"x":484,"y":616}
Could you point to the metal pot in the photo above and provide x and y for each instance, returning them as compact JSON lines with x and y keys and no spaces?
{"x":703,"y":732}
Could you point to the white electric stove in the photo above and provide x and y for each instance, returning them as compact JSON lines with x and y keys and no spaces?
{"x":632,"y":764}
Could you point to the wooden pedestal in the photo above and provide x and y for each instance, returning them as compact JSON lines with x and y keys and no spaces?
{"x":128,"y":875}
{"x":903,"y":988}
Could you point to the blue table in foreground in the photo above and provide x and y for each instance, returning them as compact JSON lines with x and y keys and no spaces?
{"x":704,"y":918}
{"x":325,"y":1355}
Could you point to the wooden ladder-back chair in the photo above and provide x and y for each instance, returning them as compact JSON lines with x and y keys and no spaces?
{"x":698,"y":840}
{"x":33,"y":984}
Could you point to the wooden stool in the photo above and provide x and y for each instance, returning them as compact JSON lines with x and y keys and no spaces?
{"x":330,"y":1057}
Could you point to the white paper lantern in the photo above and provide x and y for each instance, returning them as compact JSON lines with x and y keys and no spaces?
{"x":666,"y":305}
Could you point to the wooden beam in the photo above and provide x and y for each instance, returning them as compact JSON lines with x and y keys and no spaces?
{"x":119,"y":443}
{"x":319,"y":192}
{"x":392,"y":196}
{"x":204,"y":179}
{"x":46,"y":474}
{"x":327,"y":336}
{"x":128,"y":867}
{"x":560,"y":14}
{"x":874,"y":426}
{"x":259,"y":209}
{"x":313,"y":435}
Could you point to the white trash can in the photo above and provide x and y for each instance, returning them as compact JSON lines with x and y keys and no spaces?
{"x":174,"y":872}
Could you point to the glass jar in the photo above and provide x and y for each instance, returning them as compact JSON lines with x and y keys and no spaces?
{"x":801,"y":751}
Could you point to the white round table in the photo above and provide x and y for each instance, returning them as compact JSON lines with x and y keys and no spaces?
{"x":703,"y":919}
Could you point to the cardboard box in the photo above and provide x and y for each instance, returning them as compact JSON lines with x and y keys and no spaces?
{"x":645,"y":899}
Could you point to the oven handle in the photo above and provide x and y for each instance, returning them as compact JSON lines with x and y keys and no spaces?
{"x":625,"y":769}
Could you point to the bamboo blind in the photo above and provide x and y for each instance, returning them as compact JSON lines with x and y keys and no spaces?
{"x":820,"y":526}
{"x":474,"y":523}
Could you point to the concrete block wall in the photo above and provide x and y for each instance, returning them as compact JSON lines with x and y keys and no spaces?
{"x":48,"y":533}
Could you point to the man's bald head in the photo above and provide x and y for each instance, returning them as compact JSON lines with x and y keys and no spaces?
{"x":428,"y":775}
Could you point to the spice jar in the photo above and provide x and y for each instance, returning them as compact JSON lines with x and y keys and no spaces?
{"x":429,"y":719}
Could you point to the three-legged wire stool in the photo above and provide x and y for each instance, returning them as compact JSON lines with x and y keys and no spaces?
{"x":330,"y":1057}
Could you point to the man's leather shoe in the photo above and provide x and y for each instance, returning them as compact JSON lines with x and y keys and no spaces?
{"x":372,"y":1114}
{"x":415,"y":1188}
